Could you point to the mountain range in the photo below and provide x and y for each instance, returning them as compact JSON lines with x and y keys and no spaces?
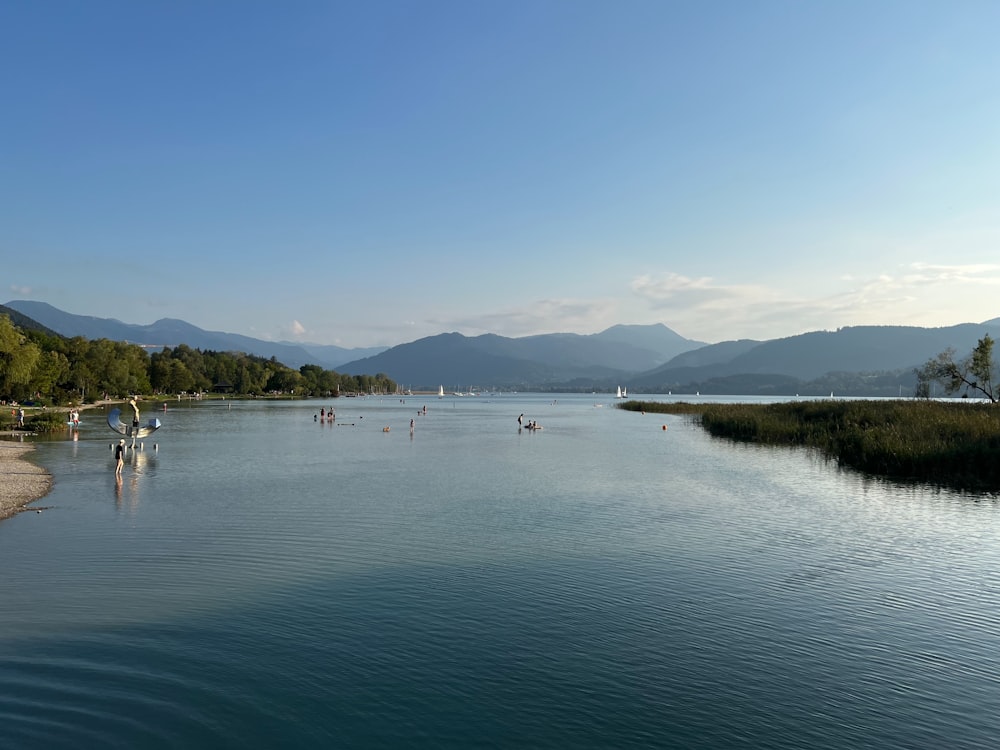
{"x":858,"y":360}
{"x":171,"y":332}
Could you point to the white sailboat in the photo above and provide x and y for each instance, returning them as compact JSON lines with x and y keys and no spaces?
{"x":440,"y":391}
{"x":619,"y":392}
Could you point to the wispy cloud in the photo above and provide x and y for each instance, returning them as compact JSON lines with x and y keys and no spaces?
{"x":674,"y":291}
{"x":712,"y":309}
{"x":24,"y":291}
{"x":973,"y":273}
{"x":537,"y":316}
{"x":293,"y":330}
{"x":914,"y":294}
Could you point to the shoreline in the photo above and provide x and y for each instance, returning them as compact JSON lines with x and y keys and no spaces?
{"x":21,"y":481}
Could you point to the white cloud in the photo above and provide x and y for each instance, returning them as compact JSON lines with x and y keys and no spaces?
{"x":974,"y":273}
{"x":281,"y":333}
{"x":674,"y":291}
{"x":712,"y":309}
{"x":920,"y":294}
{"x":536,"y":317}
{"x":24,"y":291}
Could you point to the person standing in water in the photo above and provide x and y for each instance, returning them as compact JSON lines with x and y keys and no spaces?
{"x":119,"y":456}
{"x":519,"y":420}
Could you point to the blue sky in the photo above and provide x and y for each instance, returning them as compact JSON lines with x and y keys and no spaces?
{"x":368,"y":174}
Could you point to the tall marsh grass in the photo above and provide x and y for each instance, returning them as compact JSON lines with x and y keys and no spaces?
{"x":948,"y":444}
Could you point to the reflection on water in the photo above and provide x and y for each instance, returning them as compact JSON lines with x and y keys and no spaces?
{"x":266,"y":580}
{"x":138,"y":464}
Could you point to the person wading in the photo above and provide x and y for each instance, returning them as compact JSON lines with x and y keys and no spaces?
{"x":120,"y":456}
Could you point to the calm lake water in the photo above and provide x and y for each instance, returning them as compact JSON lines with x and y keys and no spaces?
{"x":261,"y":580}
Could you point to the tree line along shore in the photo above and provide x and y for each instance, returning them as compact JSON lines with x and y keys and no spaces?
{"x":947,"y":444}
{"x":43,"y":368}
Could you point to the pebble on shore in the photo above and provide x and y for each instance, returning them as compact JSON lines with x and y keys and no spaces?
{"x":21,"y":481}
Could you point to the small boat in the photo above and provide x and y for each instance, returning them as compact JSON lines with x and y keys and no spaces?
{"x":440,"y":391}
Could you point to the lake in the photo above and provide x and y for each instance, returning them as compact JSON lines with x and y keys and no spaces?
{"x":262,"y":579}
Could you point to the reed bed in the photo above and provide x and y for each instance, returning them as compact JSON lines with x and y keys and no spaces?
{"x":947,"y":444}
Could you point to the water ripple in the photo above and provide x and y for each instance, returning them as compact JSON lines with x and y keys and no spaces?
{"x":604,"y":583}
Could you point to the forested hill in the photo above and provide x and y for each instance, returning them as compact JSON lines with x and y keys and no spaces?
{"x":820,"y":358}
{"x":455,"y":360}
{"x":856,"y":360}
{"x":854,"y":349}
{"x":170,"y":332}
{"x":44,"y":368}
{"x":25,"y":323}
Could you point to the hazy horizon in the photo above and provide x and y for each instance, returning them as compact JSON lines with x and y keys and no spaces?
{"x":306,"y":342}
{"x":368,"y":175}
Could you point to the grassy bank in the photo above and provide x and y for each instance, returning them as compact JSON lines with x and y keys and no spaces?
{"x":36,"y":421}
{"x":949,"y":444}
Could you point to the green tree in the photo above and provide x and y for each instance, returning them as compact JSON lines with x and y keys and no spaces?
{"x":975,"y":374}
{"x":61,"y":369}
{"x":51,"y":370}
{"x":311,"y":375}
{"x":285,"y":380}
{"x":159,"y":371}
{"x":179,"y":377}
{"x":135,"y":360}
{"x":18,"y":358}
{"x":329,"y":383}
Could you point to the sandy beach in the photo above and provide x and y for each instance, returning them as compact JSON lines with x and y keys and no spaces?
{"x":20,"y":480}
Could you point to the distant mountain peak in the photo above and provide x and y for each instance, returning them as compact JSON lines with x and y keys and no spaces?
{"x":651,"y":357}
